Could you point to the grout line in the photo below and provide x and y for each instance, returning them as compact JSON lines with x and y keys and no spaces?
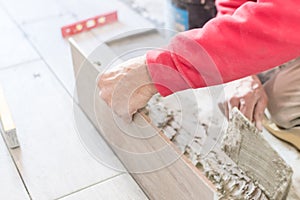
{"x":16,"y":166}
{"x":68,"y":11}
{"x":63,"y":12}
{"x":51,"y":71}
{"x":19,"y":64}
{"x":105,"y":140}
{"x":86,"y":187}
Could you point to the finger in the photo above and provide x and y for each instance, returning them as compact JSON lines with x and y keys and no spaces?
{"x":247,"y":106}
{"x":107,"y":77}
{"x":259,"y":112}
{"x":234,"y":102}
{"x":122,"y":111}
{"x":103,"y":81}
{"x":121,"y":105}
{"x":137,"y":101}
{"x":99,"y":80}
{"x":106,"y":99}
{"x":127,"y":113}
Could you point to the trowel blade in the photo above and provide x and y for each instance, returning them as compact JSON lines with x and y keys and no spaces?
{"x":246,"y":146}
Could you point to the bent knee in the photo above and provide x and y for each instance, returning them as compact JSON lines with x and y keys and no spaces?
{"x":286,"y":118}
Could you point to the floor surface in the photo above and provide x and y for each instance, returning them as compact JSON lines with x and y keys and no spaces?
{"x":36,"y":74}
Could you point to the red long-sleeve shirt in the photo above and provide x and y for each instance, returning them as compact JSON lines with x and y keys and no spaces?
{"x":246,"y":38}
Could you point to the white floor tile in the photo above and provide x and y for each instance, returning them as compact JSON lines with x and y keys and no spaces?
{"x":11,"y":186}
{"x":54,"y":49}
{"x":15,"y":47}
{"x":31,"y":10}
{"x":52,"y":159}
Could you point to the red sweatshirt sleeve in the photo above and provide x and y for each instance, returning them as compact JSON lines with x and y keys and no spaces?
{"x":256,"y":37}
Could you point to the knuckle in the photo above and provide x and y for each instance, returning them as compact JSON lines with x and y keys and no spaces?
{"x":105,"y":96}
{"x":249,"y":96}
{"x":232,"y":100}
{"x":100,"y":81}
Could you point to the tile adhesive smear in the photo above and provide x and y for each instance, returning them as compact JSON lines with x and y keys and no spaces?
{"x":252,"y":153}
{"x":243,"y":166}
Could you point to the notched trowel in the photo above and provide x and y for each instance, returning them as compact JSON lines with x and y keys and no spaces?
{"x":245,"y":145}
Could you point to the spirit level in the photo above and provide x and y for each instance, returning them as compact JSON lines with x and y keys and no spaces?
{"x":89,"y":23}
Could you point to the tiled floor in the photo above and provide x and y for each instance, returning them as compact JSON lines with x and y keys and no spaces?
{"x":15,"y":48}
{"x":37,"y":76}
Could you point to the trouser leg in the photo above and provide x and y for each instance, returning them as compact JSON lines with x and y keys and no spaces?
{"x":283,"y":91}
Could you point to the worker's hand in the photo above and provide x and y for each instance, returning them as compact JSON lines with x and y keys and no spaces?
{"x":249,"y":96}
{"x":128,"y":88}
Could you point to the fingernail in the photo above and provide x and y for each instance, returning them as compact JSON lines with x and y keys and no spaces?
{"x":259,"y":125}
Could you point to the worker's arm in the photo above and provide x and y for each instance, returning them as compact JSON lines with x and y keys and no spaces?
{"x":258,"y":36}
{"x":247,"y":94}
